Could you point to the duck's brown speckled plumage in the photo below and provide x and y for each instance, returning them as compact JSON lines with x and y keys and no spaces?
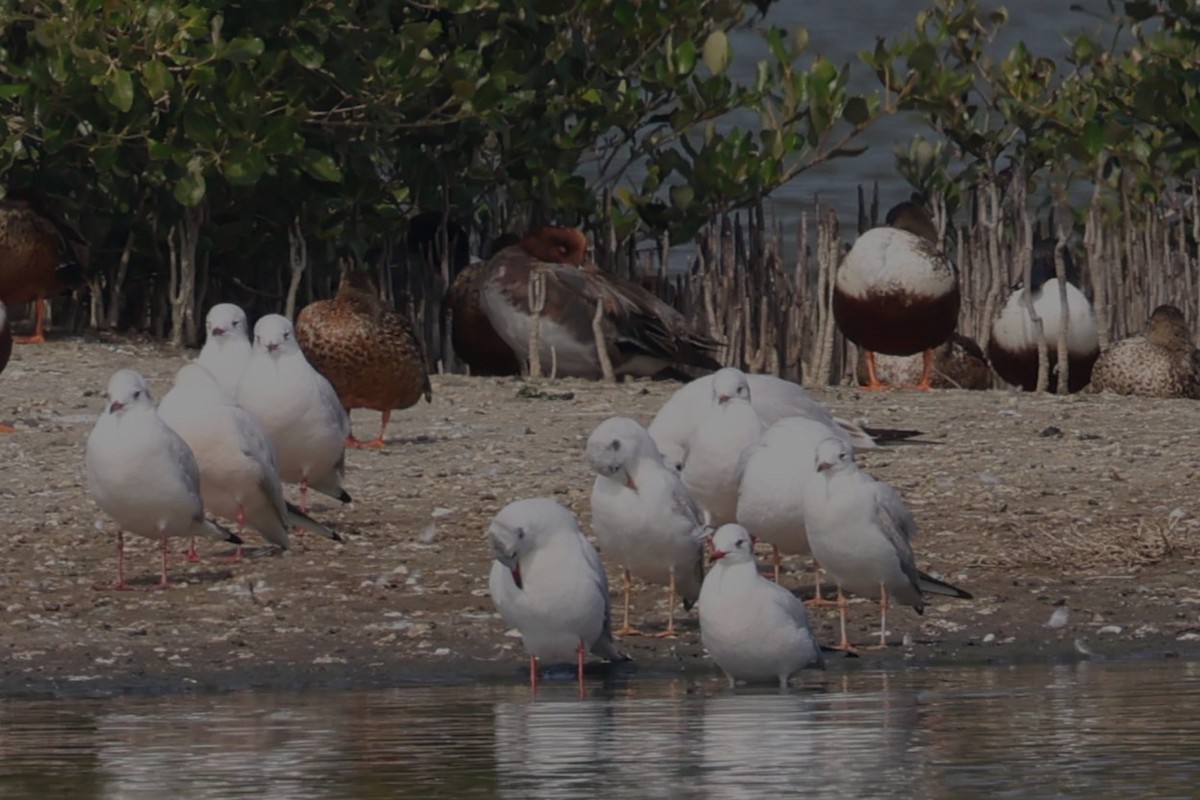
{"x":1162,"y":362}
{"x":958,"y":363}
{"x":644,"y":334}
{"x":370,"y":353}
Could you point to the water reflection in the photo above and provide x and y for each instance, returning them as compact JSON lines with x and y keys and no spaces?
{"x":1094,"y":730}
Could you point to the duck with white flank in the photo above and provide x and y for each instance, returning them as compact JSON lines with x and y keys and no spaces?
{"x":1162,"y":362}
{"x":370,"y":354}
{"x":143,"y":475}
{"x":896,"y":292}
{"x":643,"y":517}
{"x":1013,"y":346}
{"x":860,"y":532}
{"x":548,"y":583}
{"x":226,"y":350}
{"x":299,"y":410}
{"x":641,"y":334}
{"x":754,"y":629}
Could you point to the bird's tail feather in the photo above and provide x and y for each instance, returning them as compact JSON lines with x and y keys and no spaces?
{"x":299,"y":519}
{"x":932,"y":585}
{"x":211,"y":530}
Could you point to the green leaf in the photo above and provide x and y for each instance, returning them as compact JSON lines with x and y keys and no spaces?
{"x":243,"y":49}
{"x":685,"y":58}
{"x":682,"y":196}
{"x":118,"y":89}
{"x":307,"y":56}
{"x":321,"y":166}
{"x":243,"y":166}
{"x":856,"y":111}
{"x":716,"y":52}
{"x":189,"y":190}
{"x":157,"y":79}
{"x":10,"y":91}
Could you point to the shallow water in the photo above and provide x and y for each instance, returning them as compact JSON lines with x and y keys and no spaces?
{"x":1085,"y":730}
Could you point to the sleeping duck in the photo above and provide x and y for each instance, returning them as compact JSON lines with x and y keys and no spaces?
{"x":1162,"y":362}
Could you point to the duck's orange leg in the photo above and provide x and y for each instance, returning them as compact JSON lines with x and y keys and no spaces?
{"x":873,"y":382}
{"x":926,"y":372}
{"x":7,"y":429}
{"x":374,"y":444}
{"x":39,"y":324}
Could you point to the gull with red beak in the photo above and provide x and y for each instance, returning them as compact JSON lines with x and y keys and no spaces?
{"x":299,"y":410}
{"x":712,"y":469}
{"x":754,"y":629}
{"x":226,"y":350}
{"x":643,"y":516}
{"x":548,"y":583}
{"x":142,"y":474}
{"x":860,"y":531}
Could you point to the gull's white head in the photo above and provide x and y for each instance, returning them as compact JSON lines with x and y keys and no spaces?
{"x":615,"y":444}
{"x":274,"y":334}
{"x":833,"y":456}
{"x":730,"y":385}
{"x":521,"y":525}
{"x":732,"y":544}
{"x":127,"y":390}
{"x":226,"y":319}
{"x":198,"y":384}
{"x":673,"y":455}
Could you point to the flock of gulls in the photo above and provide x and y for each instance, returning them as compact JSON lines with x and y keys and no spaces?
{"x":729,"y":461}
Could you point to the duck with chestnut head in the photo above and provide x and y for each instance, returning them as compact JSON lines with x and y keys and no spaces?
{"x":32,"y":263}
{"x":639,"y":333}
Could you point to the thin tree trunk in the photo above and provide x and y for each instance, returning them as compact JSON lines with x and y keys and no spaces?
{"x":184,"y":240}
{"x":298,"y":262}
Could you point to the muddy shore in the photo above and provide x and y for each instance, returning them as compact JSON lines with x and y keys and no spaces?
{"x":1073,"y":521}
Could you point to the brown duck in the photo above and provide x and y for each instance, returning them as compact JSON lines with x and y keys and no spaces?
{"x":30,"y":262}
{"x":6,"y":345}
{"x":370,"y":354}
{"x":642,"y":334}
{"x":1162,"y":362}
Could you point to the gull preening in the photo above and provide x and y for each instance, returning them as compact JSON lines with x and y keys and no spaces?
{"x":754,"y":629}
{"x":548,"y":583}
{"x":712,"y":469}
{"x":226,"y":351}
{"x":773,"y":398}
{"x":239,"y":471}
{"x":643,"y":516}
{"x":299,"y":410}
{"x":860,"y":531}
{"x":142,"y":474}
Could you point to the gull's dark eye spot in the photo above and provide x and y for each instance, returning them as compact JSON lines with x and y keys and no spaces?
{"x":520,"y":533}
{"x":616,"y":445}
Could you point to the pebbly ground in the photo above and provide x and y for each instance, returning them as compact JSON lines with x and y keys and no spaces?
{"x":1074,"y":522}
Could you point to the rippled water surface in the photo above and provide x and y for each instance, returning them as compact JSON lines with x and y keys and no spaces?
{"x":1089,"y":730}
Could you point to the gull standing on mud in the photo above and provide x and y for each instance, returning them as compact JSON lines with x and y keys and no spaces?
{"x":239,"y":471}
{"x":754,"y":629}
{"x":860,"y":531}
{"x":142,"y":474}
{"x":771,"y":492}
{"x":643,"y":516}
{"x":226,"y":351}
{"x":712,"y":471}
{"x":548,"y":583}
{"x":299,"y":410}
{"x":772,"y":397}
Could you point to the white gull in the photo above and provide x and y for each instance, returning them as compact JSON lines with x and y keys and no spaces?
{"x":226,"y":350}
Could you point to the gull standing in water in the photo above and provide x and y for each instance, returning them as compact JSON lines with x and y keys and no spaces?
{"x":299,"y":410}
{"x":643,"y":516}
{"x":860,"y":530}
{"x":547,"y":582}
{"x":142,"y":474}
{"x":752,"y":627}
